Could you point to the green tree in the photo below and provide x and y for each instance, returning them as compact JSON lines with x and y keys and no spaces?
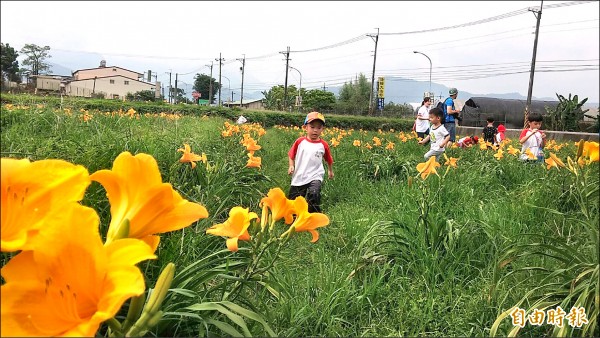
{"x":202,"y":86}
{"x":354,"y":97}
{"x":10,"y":65}
{"x":567,"y":114}
{"x":274,"y":97}
{"x":36,"y":59}
{"x":398,"y":110}
{"x":319,"y":100}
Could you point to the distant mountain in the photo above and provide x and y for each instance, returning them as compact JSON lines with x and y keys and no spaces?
{"x":59,"y":70}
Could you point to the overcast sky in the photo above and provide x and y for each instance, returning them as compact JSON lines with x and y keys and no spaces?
{"x":327,"y":40}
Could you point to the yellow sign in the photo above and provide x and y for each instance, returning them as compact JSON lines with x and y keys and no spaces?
{"x":380,"y":87}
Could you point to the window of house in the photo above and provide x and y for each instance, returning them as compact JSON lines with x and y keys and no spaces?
{"x":112,"y":81}
{"x":126,"y":82}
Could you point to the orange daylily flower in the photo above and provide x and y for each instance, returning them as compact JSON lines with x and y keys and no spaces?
{"x":590,"y":149}
{"x":307,"y":221}
{"x":189,"y":157}
{"x":389,"y":146}
{"x":71,"y":282}
{"x":554,"y":161}
{"x":280,"y":206}
{"x":253,"y":161}
{"x":427,"y":168}
{"x":235,"y":227}
{"x":251,"y":145}
{"x":33,"y":191}
{"x":356,"y":143}
{"x":451,"y":162}
{"x":136,"y":193}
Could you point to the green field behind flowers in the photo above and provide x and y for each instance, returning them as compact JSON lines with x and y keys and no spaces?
{"x":441,"y":256}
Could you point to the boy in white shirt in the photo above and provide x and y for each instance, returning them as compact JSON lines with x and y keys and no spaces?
{"x":306,"y":162}
{"x":438,"y":135}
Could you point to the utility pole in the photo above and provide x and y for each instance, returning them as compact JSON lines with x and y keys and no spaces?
{"x":176,"y":99}
{"x":287,"y":60}
{"x":170,"y":89}
{"x":220,"y":59}
{"x":243,"y":60}
{"x":532,"y":71}
{"x":210,"y":84}
{"x":373,"y":75}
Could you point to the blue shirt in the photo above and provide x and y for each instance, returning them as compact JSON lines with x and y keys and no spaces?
{"x":448,"y":118}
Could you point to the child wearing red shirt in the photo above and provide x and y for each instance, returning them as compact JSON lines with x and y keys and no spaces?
{"x":306,"y":162}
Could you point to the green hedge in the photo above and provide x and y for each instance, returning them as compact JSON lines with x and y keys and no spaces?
{"x":264,"y":117}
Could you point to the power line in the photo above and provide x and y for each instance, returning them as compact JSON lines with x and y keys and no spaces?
{"x":355,"y":39}
{"x":494,"y":18}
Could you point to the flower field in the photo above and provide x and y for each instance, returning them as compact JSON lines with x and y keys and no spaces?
{"x":122,"y":223}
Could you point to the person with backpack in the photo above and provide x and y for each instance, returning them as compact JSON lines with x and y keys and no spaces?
{"x":451,"y":114}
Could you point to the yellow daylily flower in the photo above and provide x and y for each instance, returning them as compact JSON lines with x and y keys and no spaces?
{"x":513,"y":151}
{"x":280,"y":206}
{"x":307,"y":221}
{"x":427,"y":168}
{"x":499,"y":154}
{"x":530,"y":155}
{"x":33,"y":191}
{"x":71,"y":282}
{"x":136,"y":193}
{"x":235,"y":227}
{"x":356,"y":143}
{"x":189,"y":157}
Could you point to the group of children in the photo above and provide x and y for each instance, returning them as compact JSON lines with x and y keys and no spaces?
{"x":306,"y":155}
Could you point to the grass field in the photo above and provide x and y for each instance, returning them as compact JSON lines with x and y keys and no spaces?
{"x":402,"y":255}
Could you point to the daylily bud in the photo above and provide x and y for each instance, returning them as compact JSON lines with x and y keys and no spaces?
{"x":160,"y":289}
{"x":135,"y":309}
{"x":154,"y":320}
{"x":580,"y":149}
{"x":264,"y":217}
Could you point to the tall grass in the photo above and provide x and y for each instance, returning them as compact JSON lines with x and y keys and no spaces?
{"x":378,"y":269}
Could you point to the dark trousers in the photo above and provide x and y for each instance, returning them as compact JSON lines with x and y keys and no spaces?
{"x":310,"y":191}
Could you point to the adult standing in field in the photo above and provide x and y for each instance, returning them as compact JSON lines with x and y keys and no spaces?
{"x":422,"y":121}
{"x":450,"y":114}
{"x":306,"y":162}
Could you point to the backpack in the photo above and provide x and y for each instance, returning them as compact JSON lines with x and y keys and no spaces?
{"x":442,"y":107}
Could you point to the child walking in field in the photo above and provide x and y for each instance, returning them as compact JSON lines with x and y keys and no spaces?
{"x":489,"y":132}
{"x":438,"y":135}
{"x":533,"y":139}
{"x":306,"y":162}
